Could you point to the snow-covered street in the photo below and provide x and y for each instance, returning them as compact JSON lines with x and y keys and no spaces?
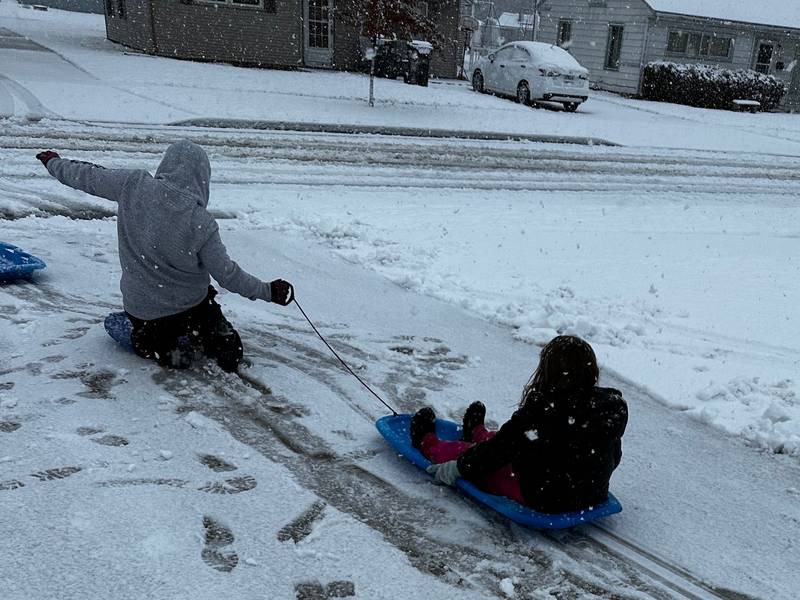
{"x":437,"y":267}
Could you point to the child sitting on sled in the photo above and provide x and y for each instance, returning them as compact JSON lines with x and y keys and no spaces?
{"x":556,"y":453}
{"x":168,"y":246}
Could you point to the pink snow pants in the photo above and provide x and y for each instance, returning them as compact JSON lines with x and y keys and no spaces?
{"x":502,"y":482}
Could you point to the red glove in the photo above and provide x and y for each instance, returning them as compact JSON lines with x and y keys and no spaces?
{"x":281,"y":292}
{"x":47,"y":156}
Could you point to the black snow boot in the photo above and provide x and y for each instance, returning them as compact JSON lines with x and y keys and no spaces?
{"x":422,"y":423}
{"x":473,"y":416}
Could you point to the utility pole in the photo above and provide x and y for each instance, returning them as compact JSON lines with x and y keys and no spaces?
{"x":535,"y":25}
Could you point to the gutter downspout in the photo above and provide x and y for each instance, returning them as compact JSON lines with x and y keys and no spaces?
{"x":153,"y":27}
{"x":644,"y":52}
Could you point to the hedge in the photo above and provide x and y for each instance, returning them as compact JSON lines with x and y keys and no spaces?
{"x":707,"y":86}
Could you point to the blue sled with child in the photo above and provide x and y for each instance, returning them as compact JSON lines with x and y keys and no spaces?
{"x":549,"y":465}
{"x":395,"y":430}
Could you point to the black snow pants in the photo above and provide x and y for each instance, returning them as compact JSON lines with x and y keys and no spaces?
{"x":173,"y":341}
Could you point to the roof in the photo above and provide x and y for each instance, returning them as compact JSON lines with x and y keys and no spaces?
{"x":512,"y":19}
{"x":776,"y":13}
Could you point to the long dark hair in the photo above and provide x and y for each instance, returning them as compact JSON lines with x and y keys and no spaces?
{"x":567,"y":364}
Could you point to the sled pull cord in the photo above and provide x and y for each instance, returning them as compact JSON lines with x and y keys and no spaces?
{"x":336,"y":354}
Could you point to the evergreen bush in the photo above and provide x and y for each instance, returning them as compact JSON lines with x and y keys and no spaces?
{"x":708,"y":86}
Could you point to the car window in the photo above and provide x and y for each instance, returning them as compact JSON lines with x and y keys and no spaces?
{"x":521,"y":55}
{"x":504,"y":54}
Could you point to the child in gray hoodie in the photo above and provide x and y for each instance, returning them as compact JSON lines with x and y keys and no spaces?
{"x":169,"y":245}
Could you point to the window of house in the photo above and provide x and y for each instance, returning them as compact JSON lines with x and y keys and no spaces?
{"x":564,"y":32}
{"x":697,"y":44}
{"x":614,"y":47}
{"x":422,"y":8}
{"x":267,"y":5}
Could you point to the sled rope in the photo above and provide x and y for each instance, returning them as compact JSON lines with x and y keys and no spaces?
{"x":344,"y":364}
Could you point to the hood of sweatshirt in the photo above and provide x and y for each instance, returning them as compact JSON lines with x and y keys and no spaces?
{"x":185,"y":169}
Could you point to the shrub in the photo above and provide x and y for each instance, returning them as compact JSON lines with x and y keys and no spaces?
{"x":708,"y":86}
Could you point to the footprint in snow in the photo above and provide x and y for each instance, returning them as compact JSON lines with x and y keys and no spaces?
{"x":48,"y":475}
{"x":215,"y":552}
{"x":12,"y":484}
{"x":301,"y":527}
{"x":316,"y":591}
{"x":235,"y":485}
{"x":111,"y":440}
{"x":53,"y":474}
{"x":216,"y":464}
{"x":9,"y":426}
{"x":84,"y":431}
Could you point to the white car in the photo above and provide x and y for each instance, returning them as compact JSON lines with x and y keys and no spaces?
{"x":531,"y":71}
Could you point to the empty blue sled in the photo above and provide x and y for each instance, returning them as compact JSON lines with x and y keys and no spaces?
{"x":395,"y":429}
{"x":15,"y":263}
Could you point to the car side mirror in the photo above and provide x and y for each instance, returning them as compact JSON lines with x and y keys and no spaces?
{"x":491,"y":57}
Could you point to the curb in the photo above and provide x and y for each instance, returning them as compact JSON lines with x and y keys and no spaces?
{"x":395,"y":131}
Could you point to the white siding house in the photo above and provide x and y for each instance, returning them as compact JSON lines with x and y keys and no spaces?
{"x":614,"y":39}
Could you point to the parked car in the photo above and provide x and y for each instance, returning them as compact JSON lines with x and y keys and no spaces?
{"x":531,"y":71}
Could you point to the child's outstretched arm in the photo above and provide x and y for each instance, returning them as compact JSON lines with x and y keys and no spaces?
{"x":86,"y":177}
{"x":214,"y":257}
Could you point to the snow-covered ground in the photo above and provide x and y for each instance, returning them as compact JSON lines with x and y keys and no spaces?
{"x":437,"y":266}
{"x":86,"y":77}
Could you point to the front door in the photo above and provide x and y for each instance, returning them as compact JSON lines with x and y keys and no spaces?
{"x":765,"y":51}
{"x":318,"y":33}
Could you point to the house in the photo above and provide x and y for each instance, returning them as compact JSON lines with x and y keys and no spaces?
{"x":515,"y":27}
{"x":269,"y":33}
{"x":614,"y":39}
{"x":84,"y":6}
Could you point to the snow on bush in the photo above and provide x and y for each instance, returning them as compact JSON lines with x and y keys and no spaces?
{"x":707,"y":86}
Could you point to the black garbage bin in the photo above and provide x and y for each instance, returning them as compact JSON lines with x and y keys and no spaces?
{"x":401,"y":58}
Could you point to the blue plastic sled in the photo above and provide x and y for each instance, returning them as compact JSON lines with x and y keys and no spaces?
{"x":119,"y":327}
{"x":16,"y":263}
{"x":396,"y":431}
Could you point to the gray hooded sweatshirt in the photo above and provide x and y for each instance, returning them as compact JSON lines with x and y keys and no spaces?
{"x":168,"y":242}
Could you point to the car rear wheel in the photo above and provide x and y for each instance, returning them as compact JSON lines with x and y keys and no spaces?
{"x":477,"y":82}
{"x":523,"y":94}
{"x":571,"y":106}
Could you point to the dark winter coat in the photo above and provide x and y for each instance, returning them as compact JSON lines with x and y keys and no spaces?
{"x":562,"y":448}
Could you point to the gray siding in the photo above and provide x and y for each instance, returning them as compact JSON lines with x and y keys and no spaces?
{"x":659,"y":33}
{"x":590,"y":25}
{"x":445,"y":58}
{"x":84,"y":6}
{"x":746,"y":38}
{"x":346,"y":47}
{"x":229,"y":33}
{"x":135,"y":30}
